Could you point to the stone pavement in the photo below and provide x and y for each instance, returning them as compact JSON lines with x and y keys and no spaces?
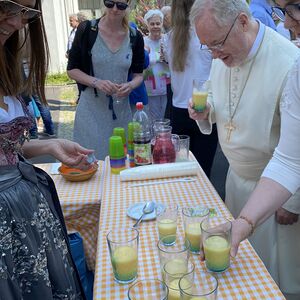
{"x":63,"y":113}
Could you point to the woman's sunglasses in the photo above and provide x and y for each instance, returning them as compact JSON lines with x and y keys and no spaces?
{"x":111,"y":4}
{"x":9,"y":9}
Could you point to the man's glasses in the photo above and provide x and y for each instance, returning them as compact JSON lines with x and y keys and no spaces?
{"x":10,"y":9}
{"x":292,"y":10}
{"x":219,"y":46}
{"x":111,"y":4}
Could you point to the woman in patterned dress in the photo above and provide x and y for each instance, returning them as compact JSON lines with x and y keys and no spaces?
{"x":35,"y":260}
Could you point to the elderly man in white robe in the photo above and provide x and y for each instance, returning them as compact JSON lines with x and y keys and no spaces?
{"x":249,"y":71}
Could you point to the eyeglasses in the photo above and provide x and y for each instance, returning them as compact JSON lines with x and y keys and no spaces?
{"x":292,"y":10}
{"x":10,"y":9}
{"x":111,"y":4}
{"x":219,"y":46}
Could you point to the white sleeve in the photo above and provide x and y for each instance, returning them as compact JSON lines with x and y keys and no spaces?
{"x":284,"y":167}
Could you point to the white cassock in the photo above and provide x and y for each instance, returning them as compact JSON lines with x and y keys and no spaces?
{"x":253,"y":90}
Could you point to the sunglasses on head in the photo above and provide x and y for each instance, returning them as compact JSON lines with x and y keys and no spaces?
{"x":9,"y":9}
{"x":111,"y":4}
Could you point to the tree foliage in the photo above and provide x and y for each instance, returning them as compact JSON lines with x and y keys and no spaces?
{"x":140,"y":9}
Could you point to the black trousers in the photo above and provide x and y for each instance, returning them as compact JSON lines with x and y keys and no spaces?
{"x":203,"y":146}
{"x":169,"y":102}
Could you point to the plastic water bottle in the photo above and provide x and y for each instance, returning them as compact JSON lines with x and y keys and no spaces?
{"x":142,"y":137}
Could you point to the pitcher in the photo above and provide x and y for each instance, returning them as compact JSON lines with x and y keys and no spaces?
{"x":166,"y":145}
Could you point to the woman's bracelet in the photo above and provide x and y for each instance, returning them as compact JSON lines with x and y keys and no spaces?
{"x":250,"y":223}
{"x":94,"y":82}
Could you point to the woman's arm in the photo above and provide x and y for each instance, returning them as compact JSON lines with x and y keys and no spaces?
{"x":68,"y":152}
{"x":267,"y":197}
{"x":106,"y":86}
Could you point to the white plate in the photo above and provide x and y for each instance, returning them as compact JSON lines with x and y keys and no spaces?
{"x":135,"y":211}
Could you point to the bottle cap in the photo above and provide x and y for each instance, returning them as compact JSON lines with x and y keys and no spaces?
{"x":120,"y":131}
{"x":139,"y":105}
{"x":116,"y":147}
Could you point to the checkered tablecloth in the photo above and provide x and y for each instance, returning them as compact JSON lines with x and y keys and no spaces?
{"x":247,"y":278}
{"x":80,"y":202}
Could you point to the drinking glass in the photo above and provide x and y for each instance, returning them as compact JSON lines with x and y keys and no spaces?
{"x":184,"y":148}
{"x":123,"y":250}
{"x":173,"y":271}
{"x":148,"y":289}
{"x":116,"y":99}
{"x":198,"y":285}
{"x":199,"y":94}
{"x":177,"y":253}
{"x":216,"y":239}
{"x":166,"y":219}
{"x":193,"y":216}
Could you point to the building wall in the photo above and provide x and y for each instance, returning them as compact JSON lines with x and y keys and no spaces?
{"x":56,"y":18}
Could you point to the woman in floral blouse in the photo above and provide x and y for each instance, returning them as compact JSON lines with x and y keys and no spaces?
{"x":35,"y":260}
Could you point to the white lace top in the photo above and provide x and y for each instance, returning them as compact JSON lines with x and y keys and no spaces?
{"x":15,"y":109}
{"x":284,"y":167}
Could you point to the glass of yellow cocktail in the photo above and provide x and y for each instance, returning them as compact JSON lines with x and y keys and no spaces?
{"x":193,"y":216}
{"x":123,"y":249}
{"x":166,"y":219}
{"x":216,"y":239}
{"x":200,"y":93}
{"x":176,"y":254}
{"x":198,"y":286}
{"x":173,"y":272}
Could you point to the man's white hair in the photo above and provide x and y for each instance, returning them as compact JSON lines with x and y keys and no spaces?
{"x":165,"y":9}
{"x":224,"y":11}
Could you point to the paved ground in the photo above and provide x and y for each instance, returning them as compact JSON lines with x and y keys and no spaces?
{"x":63,"y":112}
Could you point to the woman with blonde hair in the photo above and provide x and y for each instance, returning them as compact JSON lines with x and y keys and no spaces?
{"x":186,"y":62}
{"x":100,"y":58}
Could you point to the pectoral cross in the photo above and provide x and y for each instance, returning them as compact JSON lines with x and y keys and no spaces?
{"x":230,"y":127}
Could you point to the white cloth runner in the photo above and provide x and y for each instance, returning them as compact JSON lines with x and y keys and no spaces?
{"x":160,"y":171}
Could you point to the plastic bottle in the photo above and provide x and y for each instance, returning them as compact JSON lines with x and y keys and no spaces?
{"x":131,"y":126}
{"x":142,"y":137}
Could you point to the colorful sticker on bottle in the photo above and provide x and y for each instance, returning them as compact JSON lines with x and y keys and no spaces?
{"x":142,"y":154}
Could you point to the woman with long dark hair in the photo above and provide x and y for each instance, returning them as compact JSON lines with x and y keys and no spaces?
{"x":35,"y":260}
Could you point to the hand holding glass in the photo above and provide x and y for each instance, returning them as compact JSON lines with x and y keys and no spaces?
{"x":216,"y":239}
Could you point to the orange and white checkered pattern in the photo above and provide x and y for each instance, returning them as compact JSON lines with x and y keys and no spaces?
{"x":80,"y":202}
{"x":247,"y":277}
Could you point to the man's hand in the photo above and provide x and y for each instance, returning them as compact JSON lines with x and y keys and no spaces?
{"x":284,"y":217}
{"x":198,"y":116}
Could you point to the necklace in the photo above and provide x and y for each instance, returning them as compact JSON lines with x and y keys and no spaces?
{"x":230,"y":126}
